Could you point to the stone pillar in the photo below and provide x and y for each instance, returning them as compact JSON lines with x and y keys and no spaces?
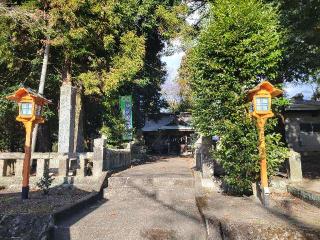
{"x":2,"y":168}
{"x":18,"y":168}
{"x":206,"y":163}
{"x":82,"y":162}
{"x":98,"y":156}
{"x":197,"y":153}
{"x":67,"y":119}
{"x":128,"y":156}
{"x":63,"y":165}
{"x":8,"y":167}
{"x":107,"y":160}
{"x":295,"y":171}
{"x":42,"y":165}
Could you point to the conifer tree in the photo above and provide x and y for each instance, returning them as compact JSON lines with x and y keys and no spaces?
{"x":240,"y":45}
{"x":108,"y":48}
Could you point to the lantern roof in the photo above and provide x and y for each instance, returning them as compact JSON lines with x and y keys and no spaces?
{"x":265,"y":85}
{"x":24,"y":91}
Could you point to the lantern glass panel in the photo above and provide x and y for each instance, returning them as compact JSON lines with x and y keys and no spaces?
{"x":26,"y":108}
{"x":262,"y":104}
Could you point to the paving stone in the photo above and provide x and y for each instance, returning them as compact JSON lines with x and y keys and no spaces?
{"x":151,"y":201}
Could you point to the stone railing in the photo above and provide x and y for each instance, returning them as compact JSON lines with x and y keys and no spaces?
{"x":88,"y":164}
{"x":58,"y":163}
{"x":110,"y":159}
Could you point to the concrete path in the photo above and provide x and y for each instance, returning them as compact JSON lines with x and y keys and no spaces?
{"x":153,"y":201}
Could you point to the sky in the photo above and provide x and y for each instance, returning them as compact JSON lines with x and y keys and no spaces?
{"x":170,"y":88}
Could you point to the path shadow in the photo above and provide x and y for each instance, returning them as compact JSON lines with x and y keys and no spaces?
{"x":31,"y":217}
{"x":153,"y":197}
{"x":64,"y":224}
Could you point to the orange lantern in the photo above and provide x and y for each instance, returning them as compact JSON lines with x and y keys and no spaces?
{"x":30,"y":113}
{"x":260,"y":98}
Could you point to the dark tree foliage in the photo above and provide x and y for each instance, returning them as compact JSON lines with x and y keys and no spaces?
{"x":107,"y":48}
{"x":240,"y":45}
{"x":301,"y":19}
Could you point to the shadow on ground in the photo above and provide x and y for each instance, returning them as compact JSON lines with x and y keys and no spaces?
{"x":33,"y":218}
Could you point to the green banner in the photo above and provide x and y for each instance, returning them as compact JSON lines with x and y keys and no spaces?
{"x":126,"y":111}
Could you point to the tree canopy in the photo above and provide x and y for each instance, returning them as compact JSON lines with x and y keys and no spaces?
{"x":301,"y":20}
{"x":240,"y":45}
{"x":108,"y":48}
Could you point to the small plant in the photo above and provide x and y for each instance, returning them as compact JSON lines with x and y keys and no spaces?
{"x":45,"y":182}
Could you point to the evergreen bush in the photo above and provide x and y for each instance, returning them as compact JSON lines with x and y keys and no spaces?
{"x":240,"y":45}
{"x":45,"y":182}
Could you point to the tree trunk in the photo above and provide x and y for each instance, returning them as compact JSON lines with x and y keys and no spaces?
{"x":66,"y":72}
{"x":41,"y":89}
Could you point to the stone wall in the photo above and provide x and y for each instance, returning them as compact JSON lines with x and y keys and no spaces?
{"x":71,"y":168}
{"x":107,"y":159}
{"x":301,"y":141}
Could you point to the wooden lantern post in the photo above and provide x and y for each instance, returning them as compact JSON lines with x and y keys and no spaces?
{"x":260,"y":98}
{"x":30,"y":110}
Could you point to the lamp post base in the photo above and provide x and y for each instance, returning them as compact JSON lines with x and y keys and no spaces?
{"x":265,"y":196}
{"x":25,"y":192}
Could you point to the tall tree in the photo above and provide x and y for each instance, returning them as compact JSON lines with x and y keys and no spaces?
{"x":109,"y":48}
{"x":301,"y":19}
{"x":240,"y":45}
{"x":20,"y":61}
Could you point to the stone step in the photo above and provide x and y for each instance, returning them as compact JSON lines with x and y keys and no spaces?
{"x":133,"y":218}
{"x":157,"y":182}
{"x":305,"y":195}
{"x":76,"y":233}
{"x":167,"y":195}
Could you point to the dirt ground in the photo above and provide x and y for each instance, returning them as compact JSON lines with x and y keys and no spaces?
{"x":11,"y":202}
{"x":295,"y":208}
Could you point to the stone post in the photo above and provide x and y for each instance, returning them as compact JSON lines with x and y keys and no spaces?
{"x":63,"y":165}
{"x":107,"y":157}
{"x":129,"y":156}
{"x":206,"y":159}
{"x":82,"y":160}
{"x":98,"y":156}
{"x":2,"y":168}
{"x":18,"y":168}
{"x":67,"y":119}
{"x":8,"y":167}
{"x":197,"y":153}
{"x":295,"y":171}
{"x":42,"y":165}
